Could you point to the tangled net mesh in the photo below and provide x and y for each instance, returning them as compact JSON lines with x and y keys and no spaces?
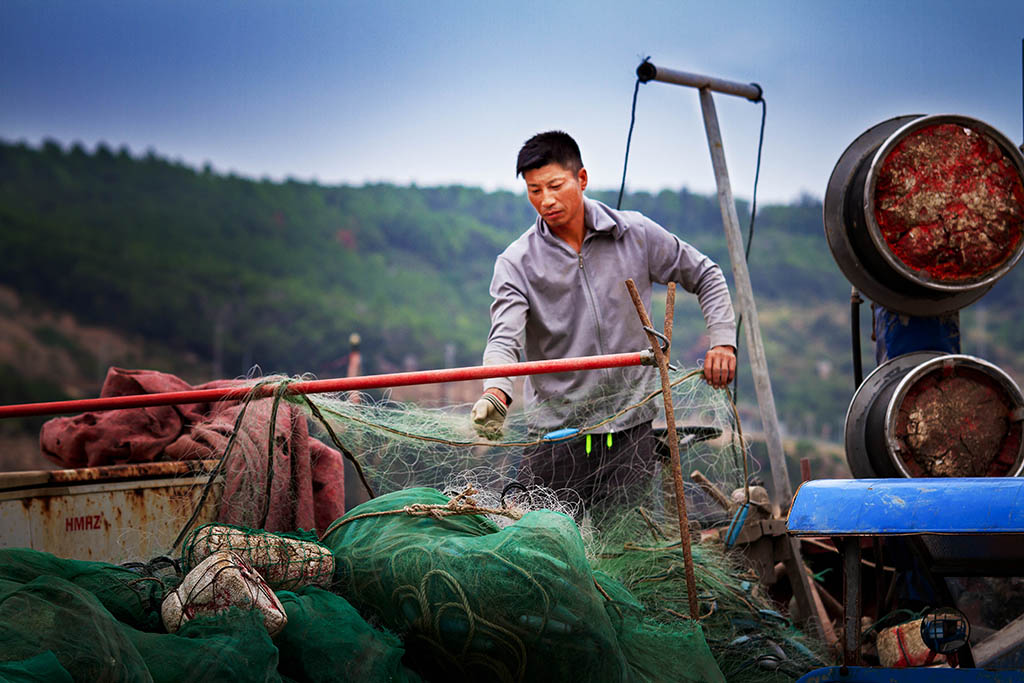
{"x":403,"y":445}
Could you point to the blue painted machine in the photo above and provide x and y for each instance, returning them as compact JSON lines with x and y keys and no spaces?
{"x":958,"y":527}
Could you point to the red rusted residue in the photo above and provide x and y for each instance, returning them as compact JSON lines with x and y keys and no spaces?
{"x":950,"y":204}
{"x":957,"y":424}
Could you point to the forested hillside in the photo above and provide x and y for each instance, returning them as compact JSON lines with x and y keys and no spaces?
{"x":229,"y":273}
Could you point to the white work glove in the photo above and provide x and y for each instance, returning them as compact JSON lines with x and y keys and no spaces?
{"x":488,"y":415}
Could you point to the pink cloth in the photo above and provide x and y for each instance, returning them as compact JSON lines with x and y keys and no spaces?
{"x":307,"y":477}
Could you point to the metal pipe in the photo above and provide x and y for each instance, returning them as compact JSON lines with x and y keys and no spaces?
{"x":320,"y":386}
{"x":858,"y":367}
{"x":649,"y":72}
{"x":851,"y":600}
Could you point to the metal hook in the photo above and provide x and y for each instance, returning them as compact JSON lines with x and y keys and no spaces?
{"x":665,"y":344}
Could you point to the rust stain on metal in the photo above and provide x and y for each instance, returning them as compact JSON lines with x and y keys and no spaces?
{"x":133,"y":471}
{"x":44,"y":504}
{"x":142,"y":470}
{"x":41,"y":506}
{"x":950,"y":204}
{"x":957,"y":424}
{"x":113,"y":521}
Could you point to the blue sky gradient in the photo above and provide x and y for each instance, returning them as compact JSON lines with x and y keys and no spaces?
{"x":446,"y":91}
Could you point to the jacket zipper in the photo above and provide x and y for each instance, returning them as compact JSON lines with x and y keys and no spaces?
{"x":593,"y":306}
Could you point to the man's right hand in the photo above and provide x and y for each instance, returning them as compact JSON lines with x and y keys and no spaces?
{"x":489,"y":413}
{"x":720,"y":366}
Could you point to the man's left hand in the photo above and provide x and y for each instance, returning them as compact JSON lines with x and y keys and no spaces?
{"x":720,"y":366}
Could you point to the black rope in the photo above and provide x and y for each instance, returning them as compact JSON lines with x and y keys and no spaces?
{"x":337,"y":443}
{"x":746,"y":257}
{"x":750,"y":239}
{"x":858,"y":363}
{"x":279,"y":393}
{"x":629,"y":138}
{"x":512,"y":486}
{"x":757,"y":177}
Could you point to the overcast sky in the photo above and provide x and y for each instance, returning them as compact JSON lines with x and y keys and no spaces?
{"x":444,"y":92}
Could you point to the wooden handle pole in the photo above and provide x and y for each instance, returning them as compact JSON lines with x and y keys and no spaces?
{"x":673,"y":445}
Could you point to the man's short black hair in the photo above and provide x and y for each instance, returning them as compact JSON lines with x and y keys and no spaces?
{"x":552,"y":147}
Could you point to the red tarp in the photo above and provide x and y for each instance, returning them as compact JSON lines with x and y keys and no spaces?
{"x":307,"y":486}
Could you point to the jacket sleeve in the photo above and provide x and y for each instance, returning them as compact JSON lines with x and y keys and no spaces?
{"x":673,"y":260}
{"x":508,"y":322}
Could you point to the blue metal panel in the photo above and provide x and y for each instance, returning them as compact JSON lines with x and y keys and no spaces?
{"x":837,"y":507}
{"x":858,"y":674}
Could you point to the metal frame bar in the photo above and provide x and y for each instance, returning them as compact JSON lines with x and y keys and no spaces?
{"x":851,"y":600}
{"x":647,"y":71}
{"x":801,"y":582}
{"x":395,"y":379}
{"x":745,"y":294}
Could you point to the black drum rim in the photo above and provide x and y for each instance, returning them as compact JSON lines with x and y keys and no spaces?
{"x":858,"y":454}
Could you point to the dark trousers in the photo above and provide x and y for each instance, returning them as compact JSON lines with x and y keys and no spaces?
{"x":615,"y":474}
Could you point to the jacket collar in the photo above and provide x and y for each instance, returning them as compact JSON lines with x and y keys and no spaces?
{"x":597,"y":217}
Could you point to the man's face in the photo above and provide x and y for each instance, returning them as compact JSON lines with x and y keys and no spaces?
{"x":556,"y":193}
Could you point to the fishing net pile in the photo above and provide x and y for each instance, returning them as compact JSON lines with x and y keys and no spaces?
{"x":458,"y":565}
{"x":64,"y":620}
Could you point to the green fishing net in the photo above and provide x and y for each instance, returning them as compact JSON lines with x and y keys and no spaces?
{"x":129,"y":597}
{"x":514,"y":604}
{"x":90,"y":621}
{"x":229,"y":646}
{"x":327,"y":640}
{"x":400,"y":445}
{"x":751,"y":641}
{"x":51,"y":614}
{"x":43,"y":668}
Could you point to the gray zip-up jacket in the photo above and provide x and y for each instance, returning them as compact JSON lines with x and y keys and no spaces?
{"x":551,"y":302}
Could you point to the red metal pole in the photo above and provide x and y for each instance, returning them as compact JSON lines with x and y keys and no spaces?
{"x":320,"y":386}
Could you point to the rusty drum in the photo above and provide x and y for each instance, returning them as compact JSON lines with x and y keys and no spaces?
{"x":923,"y":214}
{"x":927,"y":414}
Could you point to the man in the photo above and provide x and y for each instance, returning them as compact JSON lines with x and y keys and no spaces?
{"x":559,"y":292}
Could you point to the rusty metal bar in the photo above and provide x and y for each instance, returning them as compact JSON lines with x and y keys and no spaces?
{"x":140,"y":470}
